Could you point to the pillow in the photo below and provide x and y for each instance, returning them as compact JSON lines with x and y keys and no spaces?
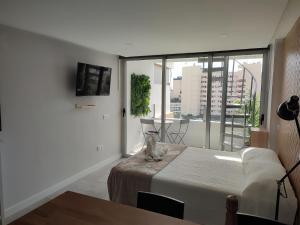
{"x":261,"y":169}
{"x":261,"y":163}
{"x":260,"y":185}
{"x":260,"y":189}
{"x":257,"y":172}
{"x":260,"y":160}
{"x":259,"y":155}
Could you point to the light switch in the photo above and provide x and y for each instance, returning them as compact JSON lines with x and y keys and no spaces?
{"x":105,"y":116}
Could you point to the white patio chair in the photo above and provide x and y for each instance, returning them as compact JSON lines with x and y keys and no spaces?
{"x":148,"y":128}
{"x":177,"y":136}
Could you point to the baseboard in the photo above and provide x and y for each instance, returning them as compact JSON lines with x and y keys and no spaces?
{"x":25,"y":206}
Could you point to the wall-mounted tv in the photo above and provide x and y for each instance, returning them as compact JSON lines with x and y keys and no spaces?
{"x":92,"y":80}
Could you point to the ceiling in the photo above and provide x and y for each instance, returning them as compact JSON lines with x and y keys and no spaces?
{"x":147,"y":27}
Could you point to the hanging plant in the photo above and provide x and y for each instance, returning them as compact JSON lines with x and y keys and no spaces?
{"x":140,"y":94}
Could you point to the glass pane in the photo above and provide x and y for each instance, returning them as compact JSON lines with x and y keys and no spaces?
{"x":218,"y":70}
{"x":187,"y":96}
{"x":139,"y":106}
{"x":186,"y":106}
{"x":243,"y":99}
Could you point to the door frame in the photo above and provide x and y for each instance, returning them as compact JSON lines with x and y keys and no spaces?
{"x":123,"y":78}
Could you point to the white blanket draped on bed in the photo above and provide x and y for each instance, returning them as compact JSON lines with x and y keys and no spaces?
{"x":199,"y":179}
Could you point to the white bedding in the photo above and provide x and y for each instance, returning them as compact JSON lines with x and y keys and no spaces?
{"x":204,"y":178}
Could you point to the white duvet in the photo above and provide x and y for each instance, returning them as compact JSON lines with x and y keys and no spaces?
{"x":204,"y":178}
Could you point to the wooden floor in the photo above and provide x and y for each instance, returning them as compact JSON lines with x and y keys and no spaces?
{"x":76,"y":209}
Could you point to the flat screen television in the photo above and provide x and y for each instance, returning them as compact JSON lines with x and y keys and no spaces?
{"x":92,"y":80}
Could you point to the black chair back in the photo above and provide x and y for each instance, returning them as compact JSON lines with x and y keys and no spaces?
{"x":246,"y":219}
{"x":233,"y":217}
{"x":160,"y":204}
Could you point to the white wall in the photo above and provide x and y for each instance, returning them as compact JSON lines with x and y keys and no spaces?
{"x":288,"y":19}
{"x":134,"y":135}
{"x":44,"y":139}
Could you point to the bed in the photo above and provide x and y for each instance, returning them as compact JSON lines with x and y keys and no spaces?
{"x":204,"y":178}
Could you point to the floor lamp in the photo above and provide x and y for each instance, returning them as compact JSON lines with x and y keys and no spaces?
{"x":288,"y":110}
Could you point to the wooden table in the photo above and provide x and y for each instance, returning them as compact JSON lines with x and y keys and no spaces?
{"x":76,"y":209}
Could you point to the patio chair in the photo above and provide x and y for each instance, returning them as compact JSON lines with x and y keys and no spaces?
{"x":148,"y":128}
{"x":177,"y":136}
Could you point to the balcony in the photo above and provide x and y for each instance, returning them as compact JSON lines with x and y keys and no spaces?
{"x":195,"y":135}
{"x":188,"y":97}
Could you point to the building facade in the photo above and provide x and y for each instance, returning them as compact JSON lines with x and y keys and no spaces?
{"x":189,"y":93}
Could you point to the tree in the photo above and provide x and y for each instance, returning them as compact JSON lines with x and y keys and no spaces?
{"x":256,"y":112}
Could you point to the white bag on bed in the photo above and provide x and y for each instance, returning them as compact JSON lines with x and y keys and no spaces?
{"x":154,"y":152}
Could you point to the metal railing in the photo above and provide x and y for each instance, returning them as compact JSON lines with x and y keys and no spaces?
{"x":243,"y":109}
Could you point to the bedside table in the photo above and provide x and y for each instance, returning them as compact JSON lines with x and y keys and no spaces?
{"x":259,"y":137}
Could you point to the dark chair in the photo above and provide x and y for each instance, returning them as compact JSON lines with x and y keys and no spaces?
{"x":160,"y":204}
{"x":235,"y":218}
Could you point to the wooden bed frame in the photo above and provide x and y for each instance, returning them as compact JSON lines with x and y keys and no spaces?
{"x":232,"y":207}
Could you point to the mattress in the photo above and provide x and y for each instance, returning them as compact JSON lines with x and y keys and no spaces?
{"x":204,"y":178}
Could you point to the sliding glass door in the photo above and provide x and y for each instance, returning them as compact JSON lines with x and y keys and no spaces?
{"x":143,"y":102}
{"x":243,"y":99}
{"x":187,"y":98}
{"x":234,"y":86}
{"x":215,"y":101}
{"x":206,"y":100}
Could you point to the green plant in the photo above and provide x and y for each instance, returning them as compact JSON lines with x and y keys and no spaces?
{"x":253,"y":110}
{"x":256,"y":113}
{"x":140,"y":94}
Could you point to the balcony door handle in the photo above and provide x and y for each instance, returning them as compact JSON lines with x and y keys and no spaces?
{"x":262,"y":119}
{"x":124,"y":112}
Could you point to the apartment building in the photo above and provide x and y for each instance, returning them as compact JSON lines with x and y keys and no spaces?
{"x":189,"y":92}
